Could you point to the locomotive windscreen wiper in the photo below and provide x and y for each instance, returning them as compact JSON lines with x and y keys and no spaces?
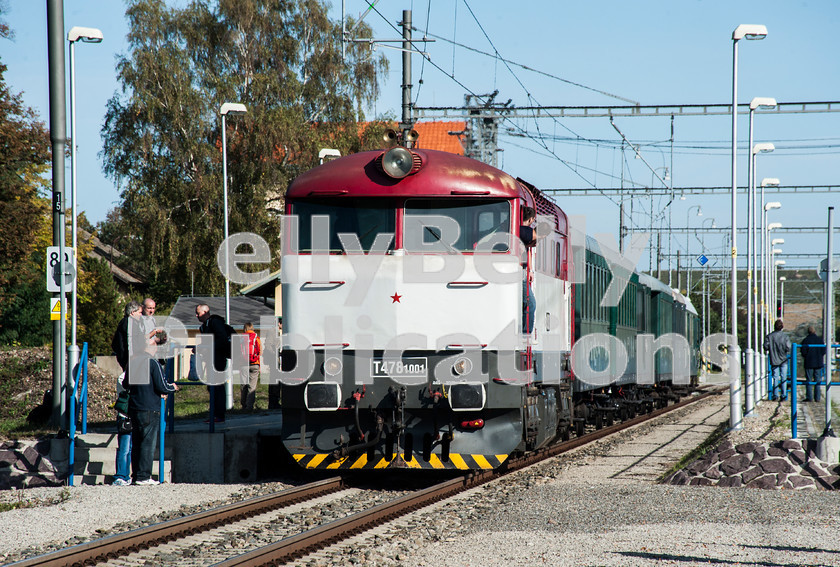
{"x":436,"y":235}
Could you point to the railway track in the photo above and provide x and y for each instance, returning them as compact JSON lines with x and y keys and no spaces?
{"x":215,"y":536}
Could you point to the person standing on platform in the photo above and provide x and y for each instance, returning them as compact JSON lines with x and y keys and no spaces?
{"x":148,"y":318}
{"x":221,"y":331}
{"x":813,"y":358}
{"x":144,"y":395}
{"x":777,"y":346}
{"x":119,"y":343}
{"x":249,"y":390}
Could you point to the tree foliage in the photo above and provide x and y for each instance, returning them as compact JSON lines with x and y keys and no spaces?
{"x":24,"y":217}
{"x":162,"y":133}
{"x":99,"y":307}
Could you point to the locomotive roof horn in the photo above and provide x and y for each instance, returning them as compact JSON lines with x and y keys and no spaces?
{"x":390,"y":137}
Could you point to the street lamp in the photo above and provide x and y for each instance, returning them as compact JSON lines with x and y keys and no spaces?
{"x":227,"y":108}
{"x":750,"y":32}
{"x":752,"y":256}
{"x":85,"y":35}
{"x":687,"y":248}
{"x":767,"y":320}
{"x":782,"y":281}
{"x":774,"y":282}
{"x":753,"y":365}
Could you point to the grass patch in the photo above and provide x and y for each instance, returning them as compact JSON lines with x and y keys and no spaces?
{"x":707,"y":445}
{"x":62,"y":496}
{"x":193,"y":401}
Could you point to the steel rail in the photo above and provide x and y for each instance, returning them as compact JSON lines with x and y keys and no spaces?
{"x":110,"y":547}
{"x":317,"y":538}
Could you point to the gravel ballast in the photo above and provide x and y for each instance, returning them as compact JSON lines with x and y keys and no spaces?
{"x":591,"y":508}
{"x":60,"y":517}
{"x":600,"y":505}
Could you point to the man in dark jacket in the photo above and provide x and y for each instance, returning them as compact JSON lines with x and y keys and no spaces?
{"x":120,"y":345}
{"x":221,"y":331}
{"x":814,"y":361}
{"x":777,"y":347}
{"x":145,"y":392}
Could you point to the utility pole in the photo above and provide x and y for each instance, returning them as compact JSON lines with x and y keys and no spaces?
{"x":58,"y":137}
{"x":406,"y":123}
{"x":828,"y":324}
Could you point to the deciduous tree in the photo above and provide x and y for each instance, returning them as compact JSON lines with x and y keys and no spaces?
{"x":283,"y":60}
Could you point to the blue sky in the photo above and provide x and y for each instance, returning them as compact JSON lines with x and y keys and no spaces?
{"x":653,"y":52}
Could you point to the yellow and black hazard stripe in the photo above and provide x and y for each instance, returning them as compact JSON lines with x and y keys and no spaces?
{"x":457,"y":461}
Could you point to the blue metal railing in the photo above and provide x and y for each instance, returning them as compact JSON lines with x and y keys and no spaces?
{"x":82,"y":369}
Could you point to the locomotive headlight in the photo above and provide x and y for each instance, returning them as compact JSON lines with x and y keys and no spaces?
{"x":332,"y":366}
{"x":397,"y":162}
{"x":462,"y":366}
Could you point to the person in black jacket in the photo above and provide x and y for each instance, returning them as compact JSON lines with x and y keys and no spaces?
{"x":145,"y":393}
{"x":221,"y":331}
{"x":777,"y":347}
{"x":814,"y":361}
{"x":119,"y":343}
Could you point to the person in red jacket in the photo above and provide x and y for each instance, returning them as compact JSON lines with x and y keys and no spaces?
{"x":249,"y":390}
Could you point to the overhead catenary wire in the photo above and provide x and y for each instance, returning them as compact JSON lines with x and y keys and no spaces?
{"x":479,"y":97}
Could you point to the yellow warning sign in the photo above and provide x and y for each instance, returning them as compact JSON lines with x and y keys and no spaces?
{"x":55,"y":309}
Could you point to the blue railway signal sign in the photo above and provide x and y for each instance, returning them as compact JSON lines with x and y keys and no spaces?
{"x":702,"y":260}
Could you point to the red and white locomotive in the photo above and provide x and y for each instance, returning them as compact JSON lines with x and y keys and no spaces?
{"x":403,"y":314}
{"x":405,"y":287}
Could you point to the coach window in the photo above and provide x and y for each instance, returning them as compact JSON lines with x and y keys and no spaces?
{"x":476,"y":219}
{"x":366,"y":218}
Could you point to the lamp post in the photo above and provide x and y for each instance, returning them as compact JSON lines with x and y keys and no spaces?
{"x":764,"y":328}
{"x":767,"y":316}
{"x":753,"y":363}
{"x":782,"y":281}
{"x":775,"y":242}
{"x":754,"y":366}
{"x":687,"y":249}
{"x":85,"y":35}
{"x":768,"y":322}
{"x":227,"y":108}
{"x":775,"y":282}
{"x":750,"y":32}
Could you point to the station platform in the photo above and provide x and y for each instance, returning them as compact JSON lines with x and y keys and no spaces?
{"x":243,"y":448}
{"x":810,"y":416}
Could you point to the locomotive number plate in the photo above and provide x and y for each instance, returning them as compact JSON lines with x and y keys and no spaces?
{"x":414,"y":367}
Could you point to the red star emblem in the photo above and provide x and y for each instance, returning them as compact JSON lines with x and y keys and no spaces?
{"x":396,"y":298}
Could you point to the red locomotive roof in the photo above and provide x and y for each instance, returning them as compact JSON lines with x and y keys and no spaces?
{"x":440,"y":174}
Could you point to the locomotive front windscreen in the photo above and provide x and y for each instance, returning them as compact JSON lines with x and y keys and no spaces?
{"x":366,"y":218}
{"x":476,"y":219}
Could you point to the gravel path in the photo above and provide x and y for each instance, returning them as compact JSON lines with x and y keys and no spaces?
{"x":60,"y":517}
{"x":599,"y":505}
{"x":575,"y":510}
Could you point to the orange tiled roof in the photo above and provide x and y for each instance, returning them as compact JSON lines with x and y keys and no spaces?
{"x":436,"y":136}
